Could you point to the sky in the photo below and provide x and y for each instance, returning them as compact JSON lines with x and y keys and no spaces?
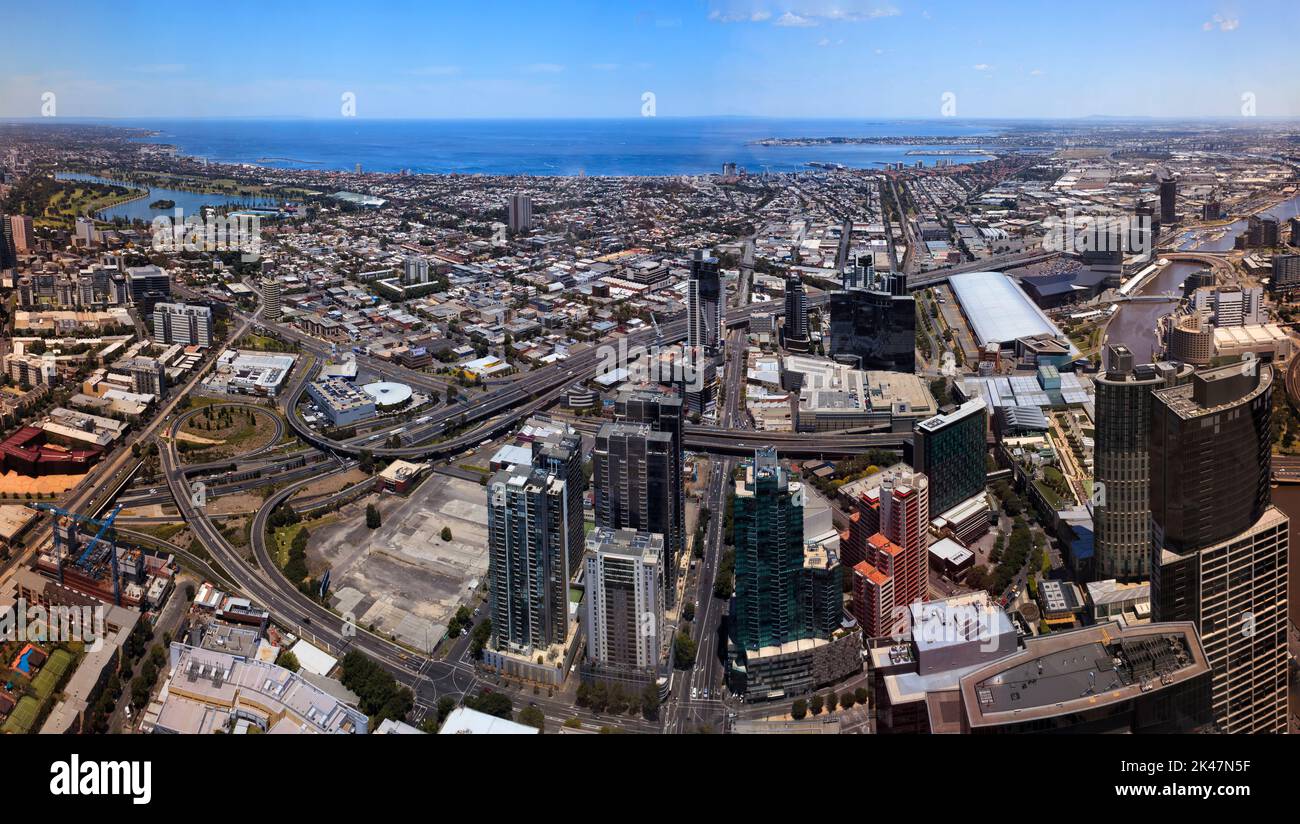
{"x":535,"y":59}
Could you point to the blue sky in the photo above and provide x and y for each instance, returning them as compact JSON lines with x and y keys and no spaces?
{"x":817,"y":58}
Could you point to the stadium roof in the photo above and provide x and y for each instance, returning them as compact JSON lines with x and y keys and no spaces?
{"x":998,"y":310}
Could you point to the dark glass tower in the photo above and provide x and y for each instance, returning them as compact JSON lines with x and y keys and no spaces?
{"x":950,"y":450}
{"x":704,"y":309}
{"x":873,"y":321}
{"x":663,"y":412}
{"x":1219,"y":549}
{"x":768,"y":525}
{"x":1122,"y":469}
{"x":796,"y":330}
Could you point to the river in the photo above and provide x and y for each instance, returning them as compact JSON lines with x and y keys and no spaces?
{"x":1134,"y":324}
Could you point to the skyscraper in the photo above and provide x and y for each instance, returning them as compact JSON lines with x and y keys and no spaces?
{"x":662,"y":412}
{"x":8,"y":250}
{"x":529,"y":524}
{"x":768,"y":528}
{"x":625,"y":602}
{"x":873,"y":321}
{"x":632,"y":474}
{"x":24,"y":237}
{"x":560,"y":455}
{"x":796,"y":331}
{"x":1219,"y":548}
{"x":704,"y":304}
{"x":950,"y":449}
{"x":1168,"y":197}
{"x":519,"y":213}
{"x":785,"y":620}
{"x":1122,"y":469}
{"x":893,"y":574}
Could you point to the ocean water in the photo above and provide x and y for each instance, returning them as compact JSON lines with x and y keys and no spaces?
{"x":635,"y":146}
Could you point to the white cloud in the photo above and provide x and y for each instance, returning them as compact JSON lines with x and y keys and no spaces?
{"x":801,"y":13}
{"x":981,"y":67}
{"x":754,"y":16}
{"x":1036,"y":73}
{"x":544,"y":68}
{"x":605,"y":67}
{"x":792,"y":20}
{"x":1221,"y":22}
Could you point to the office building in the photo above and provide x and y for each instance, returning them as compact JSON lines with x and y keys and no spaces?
{"x":705,"y":307}
{"x":796,"y":330}
{"x":786,"y":625}
{"x":873,"y":321}
{"x":529,"y":521}
{"x":893,"y":573}
{"x":951,"y":450}
{"x":147,"y":285}
{"x":340,"y":401}
{"x":624,"y":602}
{"x":22,"y":233}
{"x":1148,"y":227}
{"x":1230,"y":305}
{"x":1168,"y":187}
{"x":182,"y":323}
{"x":519,"y":213}
{"x":559,"y":452}
{"x":1219,"y":549}
{"x":148,"y":376}
{"x":86,"y":234}
{"x":1121,"y":463}
{"x":1286,"y":274}
{"x":768,"y":528}
{"x":8,"y":251}
{"x":633,"y":480}
{"x":663,"y":412}
{"x":1106,"y":678}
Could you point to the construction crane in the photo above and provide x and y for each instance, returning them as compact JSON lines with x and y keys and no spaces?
{"x":87,"y":561}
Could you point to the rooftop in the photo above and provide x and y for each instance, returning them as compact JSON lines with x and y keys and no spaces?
{"x":1067,"y":672}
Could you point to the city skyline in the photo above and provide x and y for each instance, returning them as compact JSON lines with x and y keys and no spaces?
{"x":809,"y":59}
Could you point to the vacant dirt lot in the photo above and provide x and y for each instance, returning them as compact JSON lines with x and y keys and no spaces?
{"x":403,"y":578}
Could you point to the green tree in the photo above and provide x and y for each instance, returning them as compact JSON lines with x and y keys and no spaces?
{"x":372,"y":516}
{"x":650,"y":701}
{"x":533,"y":717}
{"x":684,"y":651}
{"x":799,"y":710}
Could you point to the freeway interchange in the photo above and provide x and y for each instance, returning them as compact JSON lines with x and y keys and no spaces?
{"x":445,"y":432}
